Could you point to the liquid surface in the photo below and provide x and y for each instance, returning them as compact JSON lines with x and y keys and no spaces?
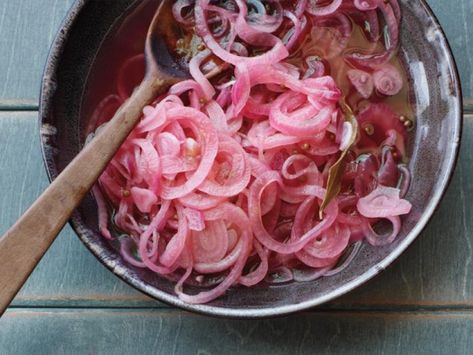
{"x":276,"y":169}
{"x":126,"y":40}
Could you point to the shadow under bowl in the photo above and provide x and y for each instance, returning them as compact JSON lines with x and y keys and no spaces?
{"x":433,"y":149}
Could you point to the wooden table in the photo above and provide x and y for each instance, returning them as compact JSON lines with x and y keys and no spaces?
{"x":72,"y":304}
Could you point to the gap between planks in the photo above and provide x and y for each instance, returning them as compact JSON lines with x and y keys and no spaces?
{"x":468,"y":106}
{"x":132,"y":302}
{"x":385,"y":314}
{"x":18,"y":105}
{"x":334,"y":306}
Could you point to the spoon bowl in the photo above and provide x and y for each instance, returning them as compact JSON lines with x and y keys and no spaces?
{"x":163,"y":33}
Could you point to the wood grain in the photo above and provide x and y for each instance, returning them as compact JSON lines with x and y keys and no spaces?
{"x":28,"y":28}
{"x":102,"y":331}
{"x":27,"y":240}
{"x":436,"y":271}
{"x":455,"y":18}
{"x":428,"y":293}
{"x":68,"y":264}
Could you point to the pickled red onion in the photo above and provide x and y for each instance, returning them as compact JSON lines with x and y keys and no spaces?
{"x":224,"y":177}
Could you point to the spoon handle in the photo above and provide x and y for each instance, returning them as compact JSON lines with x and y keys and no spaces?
{"x":25,"y":243}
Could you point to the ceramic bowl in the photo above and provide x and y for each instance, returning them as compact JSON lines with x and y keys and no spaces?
{"x":433,"y":149}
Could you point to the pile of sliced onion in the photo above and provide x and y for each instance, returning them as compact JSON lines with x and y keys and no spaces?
{"x":224,"y":179}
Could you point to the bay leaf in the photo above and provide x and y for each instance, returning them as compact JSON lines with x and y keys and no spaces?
{"x":335,"y":173}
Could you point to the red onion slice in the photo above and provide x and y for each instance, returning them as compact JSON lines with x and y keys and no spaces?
{"x":383,"y":202}
{"x":316,"y":10}
{"x":379,"y":240}
{"x":222,"y":180}
{"x":144,"y":199}
{"x":362,"y":81}
{"x":388,"y":80}
{"x":393,"y":29}
{"x":330,"y":244}
{"x":210,"y":244}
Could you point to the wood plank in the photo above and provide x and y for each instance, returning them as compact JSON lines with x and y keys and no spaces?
{"x":28,"y":28}
{"x":99,"y":331}
{"x":68,"y":268}
{"x":454,"y":16}
{"x":436,"y":271}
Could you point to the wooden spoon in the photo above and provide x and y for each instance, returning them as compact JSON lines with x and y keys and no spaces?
{"x":24,"y":244}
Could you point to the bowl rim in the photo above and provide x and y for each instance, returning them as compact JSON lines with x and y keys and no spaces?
{"x":45,"y":103}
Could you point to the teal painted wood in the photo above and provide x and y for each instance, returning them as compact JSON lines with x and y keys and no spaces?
{"x":433,"y":275}
{"x":28,"y":27}
{"x":61,"y":276}
{"x":455,"y":18}
{"x":115,"y":332}
{"x":436,"y":271}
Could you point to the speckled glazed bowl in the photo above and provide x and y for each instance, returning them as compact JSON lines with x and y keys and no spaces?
{"x":433,"y":148}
